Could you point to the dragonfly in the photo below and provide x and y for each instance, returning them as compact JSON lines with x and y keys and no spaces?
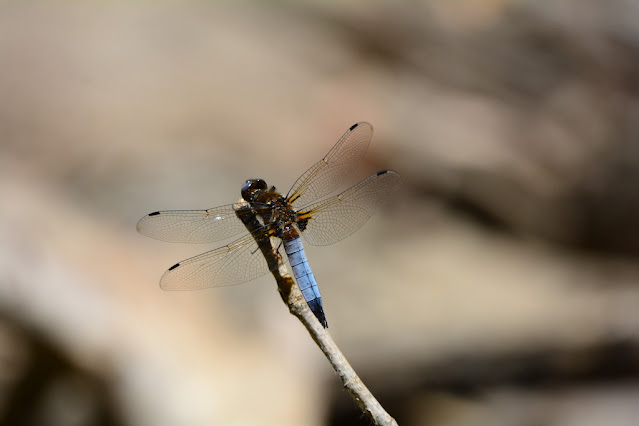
{"x":304,"y":210}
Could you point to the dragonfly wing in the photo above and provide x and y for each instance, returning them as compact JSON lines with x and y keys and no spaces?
{"x":192,"y":226}
{"x":235,"y":263}
{"x":331,"y":171}
{"x":332,"y":220}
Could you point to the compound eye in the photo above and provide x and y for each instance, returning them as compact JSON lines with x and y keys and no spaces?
{"x":251,"y":186}
{"x":259,"y":184}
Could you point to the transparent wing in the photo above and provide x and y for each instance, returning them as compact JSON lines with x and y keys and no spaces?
{"x":332,"y":220}
{"x":192,"y":226}
{"x":331,"y":171}
{"x":235,"y":263}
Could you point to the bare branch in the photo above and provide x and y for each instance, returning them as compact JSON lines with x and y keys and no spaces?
{"x":292,"y":297}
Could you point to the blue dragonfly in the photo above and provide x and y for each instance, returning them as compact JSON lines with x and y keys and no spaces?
{"x":303,"y":211}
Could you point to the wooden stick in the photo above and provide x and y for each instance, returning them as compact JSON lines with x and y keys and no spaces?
{"x":292,"y":297}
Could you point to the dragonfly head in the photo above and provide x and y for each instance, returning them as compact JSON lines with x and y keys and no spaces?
{"x":251,"y":187}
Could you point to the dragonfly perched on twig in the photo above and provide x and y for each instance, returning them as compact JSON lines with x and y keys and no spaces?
{"x":283,"y":218}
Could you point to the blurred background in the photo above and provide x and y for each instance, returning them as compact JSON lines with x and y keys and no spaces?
{"x":499,"y":287}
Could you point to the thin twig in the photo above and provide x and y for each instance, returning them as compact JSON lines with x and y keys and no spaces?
{"x":292,"y":297}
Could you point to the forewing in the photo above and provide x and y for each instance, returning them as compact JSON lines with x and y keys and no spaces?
{"x":332,"y":220}
{"x":192,"y":226}
{"x":331,"y":171}
{"x":235,"y":263}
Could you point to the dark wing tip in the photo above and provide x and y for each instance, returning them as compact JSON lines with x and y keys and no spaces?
{"x":174,"y":266}
{"x":353,"y":126}
{"x":154,"y":214}
{"x":390,"y":172}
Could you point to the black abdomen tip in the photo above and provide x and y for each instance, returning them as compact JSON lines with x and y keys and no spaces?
{"x":318,"y":311}
{"x":353,"y":126}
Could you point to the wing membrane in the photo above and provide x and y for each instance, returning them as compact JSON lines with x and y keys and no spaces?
{"x":235,"y":263}
{"x":331,"y":171}
{"x":338,"y":217}
{"x":192,"y":226}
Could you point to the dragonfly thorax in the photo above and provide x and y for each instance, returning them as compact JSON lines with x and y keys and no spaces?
{"x":271,"y":207}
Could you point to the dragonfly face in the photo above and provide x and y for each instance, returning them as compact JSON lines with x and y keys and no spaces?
{"x":251,"y":188}
{"x":283,"y":218}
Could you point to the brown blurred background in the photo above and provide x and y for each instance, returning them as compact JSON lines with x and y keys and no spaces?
{"x":500,"y":287}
